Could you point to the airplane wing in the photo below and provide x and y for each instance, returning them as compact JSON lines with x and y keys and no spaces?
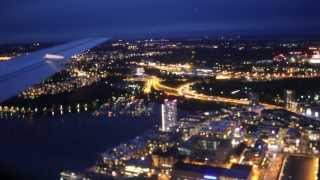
{"x":24,"y":71}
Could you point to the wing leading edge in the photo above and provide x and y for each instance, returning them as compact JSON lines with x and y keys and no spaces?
{"x":27,"y":70}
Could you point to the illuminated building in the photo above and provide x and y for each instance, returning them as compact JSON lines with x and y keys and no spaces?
{"x":292,"y":137}
{"x":290,"y":102}
{"x":219,"y":129}
{"x":315,"y":59}
{"x":164,"y":160}
{"x":313,"y":112}
{"x":193,"y":172}
{"x":206,"y":150}
{"x":168,"y":115}
{"x":136,"y":168}
{"x":140,"y":71}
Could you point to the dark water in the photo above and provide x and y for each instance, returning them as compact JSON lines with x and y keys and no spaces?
{"x":41,"y":148}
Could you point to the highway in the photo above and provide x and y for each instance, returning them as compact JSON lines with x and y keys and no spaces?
{"x":186,"y":91}
{"x":274,"y":168}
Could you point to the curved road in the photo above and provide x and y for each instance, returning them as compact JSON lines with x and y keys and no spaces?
{"x":186,"y":91}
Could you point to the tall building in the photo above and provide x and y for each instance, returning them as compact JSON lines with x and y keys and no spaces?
{"x":290,"y":101}
{"x":168,"y":115}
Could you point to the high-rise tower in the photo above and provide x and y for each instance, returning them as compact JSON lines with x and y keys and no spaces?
{"x":168,"y":115}
{"x":290,"y":101}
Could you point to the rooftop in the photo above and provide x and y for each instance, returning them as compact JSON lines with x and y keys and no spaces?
{"x":236,"y":171}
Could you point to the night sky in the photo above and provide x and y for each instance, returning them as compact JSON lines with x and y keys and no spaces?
{"x":46,"y":20}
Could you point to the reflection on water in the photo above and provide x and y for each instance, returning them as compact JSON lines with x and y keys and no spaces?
{"x":28,"y":112}
{"x":122,"y":107}
{"x":45,"y":145}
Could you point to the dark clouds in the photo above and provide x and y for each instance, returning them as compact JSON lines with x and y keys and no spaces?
{"x":60,"y":19}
